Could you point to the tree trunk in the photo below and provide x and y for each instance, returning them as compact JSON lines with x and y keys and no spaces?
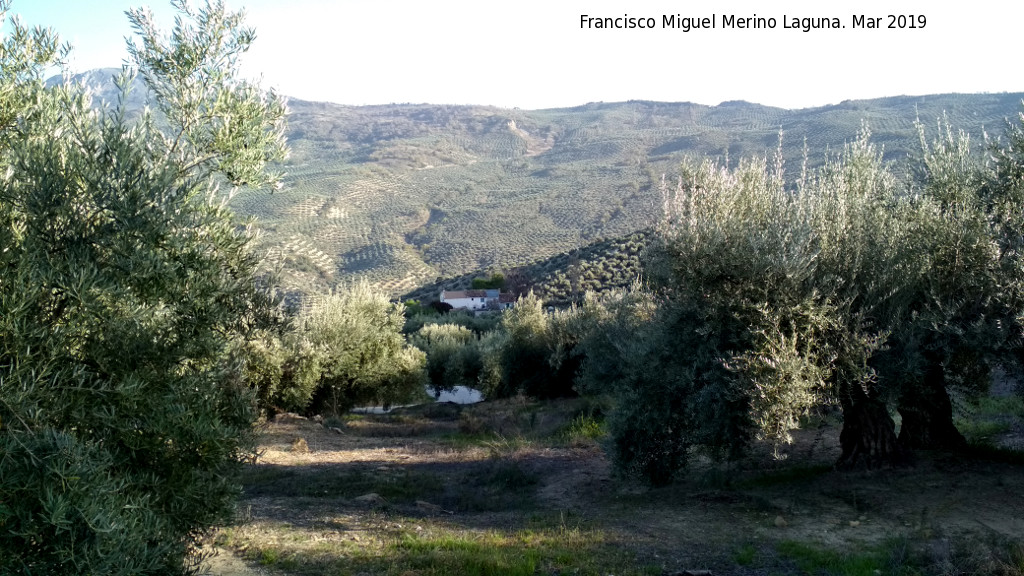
{"x":868,"y":438}
{"x":928,"y":414}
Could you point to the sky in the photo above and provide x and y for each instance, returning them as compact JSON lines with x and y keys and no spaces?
{"x":536,"y":54}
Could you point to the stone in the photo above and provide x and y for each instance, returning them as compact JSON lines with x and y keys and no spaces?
{"x":427,"y":506}
{"x":372,"y":499}
{"x":300,"y":446}
{"x":286,"y":417}
{"x":431,"y":508}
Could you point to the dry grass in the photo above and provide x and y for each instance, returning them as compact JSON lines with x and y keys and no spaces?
{"x":527,"y":490}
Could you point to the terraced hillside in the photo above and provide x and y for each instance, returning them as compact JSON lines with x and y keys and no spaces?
{"x":563,"y":278}
{"x":405,"y":194}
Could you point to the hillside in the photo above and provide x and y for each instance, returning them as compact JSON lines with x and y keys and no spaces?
{"x":408,"y":194}
{"x":562,"y":278}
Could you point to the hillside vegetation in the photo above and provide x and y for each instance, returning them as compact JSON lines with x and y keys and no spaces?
{"x":565,"y":277}
{"x":405,"y":194}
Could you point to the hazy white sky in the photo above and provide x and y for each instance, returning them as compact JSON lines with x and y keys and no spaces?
{"x":534,"y":53}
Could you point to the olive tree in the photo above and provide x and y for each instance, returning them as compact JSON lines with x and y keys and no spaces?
{"x":965,"y":316}
{"x":452,"y":355}
{"x":732,"y":340}
{"x":358,"y":352}
{"x":126,"y":287}
{"x":530,"y":353}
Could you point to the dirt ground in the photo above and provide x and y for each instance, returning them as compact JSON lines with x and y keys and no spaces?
{"x":499,"y":465}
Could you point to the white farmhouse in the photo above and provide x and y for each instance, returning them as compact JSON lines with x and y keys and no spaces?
{"x":477,"y":300}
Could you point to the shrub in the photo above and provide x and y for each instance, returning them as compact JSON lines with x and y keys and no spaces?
{"x":633,"y":352}
{"x":497,"y":280}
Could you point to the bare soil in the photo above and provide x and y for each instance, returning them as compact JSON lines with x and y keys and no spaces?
{"x":502,"y":465}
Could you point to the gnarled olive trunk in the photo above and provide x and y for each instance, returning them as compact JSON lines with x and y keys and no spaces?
{"x":928,"y":414}
{"x":868,"y":438}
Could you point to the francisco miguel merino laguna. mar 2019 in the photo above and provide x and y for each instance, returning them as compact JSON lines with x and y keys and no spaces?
{"x":754,"y":22}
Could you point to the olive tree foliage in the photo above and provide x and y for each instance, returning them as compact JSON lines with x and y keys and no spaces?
{"x":847,"y":287}
{"x":217,"y":120}
{"x":627,"y":354}
{"x":763,"y":270}
{"x":965,"y":316}
{"x":125,"y":289}
{"x":735,"y":340}
{"x":453,"y":355}
{"x":283,"y":367}
{"x":479,"y":325}
{"x":349,"y":350}
{"x":530,"y":353}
